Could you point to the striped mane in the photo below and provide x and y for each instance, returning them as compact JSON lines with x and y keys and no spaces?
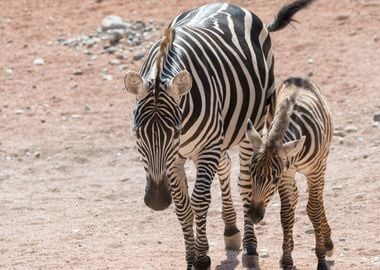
{"x":165,"y":45}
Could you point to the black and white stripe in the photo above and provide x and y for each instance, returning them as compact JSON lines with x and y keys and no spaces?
{"x":298,"y":140}
{"x":226,"y":51}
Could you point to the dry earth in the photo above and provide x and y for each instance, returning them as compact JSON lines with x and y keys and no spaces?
{"x":71,"y":182}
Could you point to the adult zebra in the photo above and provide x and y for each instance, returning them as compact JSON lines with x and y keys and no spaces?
{"x":211,"y":71}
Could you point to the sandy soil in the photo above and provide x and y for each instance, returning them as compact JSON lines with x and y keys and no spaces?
{"x":71,"y":182}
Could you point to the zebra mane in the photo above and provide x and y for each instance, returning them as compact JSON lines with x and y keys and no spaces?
{"x":281,"y":120}
{"x":165,"y":45}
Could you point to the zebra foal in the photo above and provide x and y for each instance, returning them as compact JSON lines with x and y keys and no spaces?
{"x":298,"y":139}
{"x":211,"y":71}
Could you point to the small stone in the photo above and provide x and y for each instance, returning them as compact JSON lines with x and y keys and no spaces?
{"x":87,"y":108}
{"x":351,"y":129}
{"x":346,"y":249}
{"x":107,"y":77}
{"x":375,"y":260}
{"x":339,"y":133}
{"x":139,"y":55}
{"x":264,"y":254}
{"x":75,"y":231}
{"x":75,"y":116}
{"x":337,"y":188}
{"x":114,"y":62}
{"x":342,"y":239}
{"x":376,"y":124}
{"x":342,"y":17}
{"x":37,"y":154}
{"x":39,"y":61}
{"x":77,"y":72}
{"x":360,"y":195}
{"x":376,"y":117}
{"x":341,"y":141}
{"x":113,"y":22}
{"x":138,"y":26}
{"x":309,"y":231}
{"x":19,"y":111}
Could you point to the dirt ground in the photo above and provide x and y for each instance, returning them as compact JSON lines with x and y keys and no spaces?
{"x":72,"y":184}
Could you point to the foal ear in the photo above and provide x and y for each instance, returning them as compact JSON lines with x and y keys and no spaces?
{"x":253,"y":136}
{"x":135,"y":84}
{"x":180,"y":84}
{"x":292,"y":148}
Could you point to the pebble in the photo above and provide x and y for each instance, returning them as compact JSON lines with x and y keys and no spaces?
{"x":113,"y":22}
{"x":360,"y":195}
{"x":107,"y":77}
{"x":77,"y":72}
{"x":114,"y":62}
{"x":337,"y":188}
{"x":37,"y":154}
{"x":19,"y":111}
{"x":341,"y":141}
{"x":351,"y":129}
{"x":376,"y":117}
{"x":339,"y":133}
{"x":39,"y":61}
{"x":139,"y":55}
{"x":375,"y":260}
{"x":264,"y":254}
{"x":376,"y":124}
{"x":309,"y":231}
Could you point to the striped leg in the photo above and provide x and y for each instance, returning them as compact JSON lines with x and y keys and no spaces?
{"x":183,"y":209}
{"x":315,"y":211}
{"x":289,"y":197}
{"x":250,"y":256}
{"x":232,"y":238}
{"x":207,"y":164}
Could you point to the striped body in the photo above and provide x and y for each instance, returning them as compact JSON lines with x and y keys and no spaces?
{"x":298,"y":140}
{"x":211,"y":71}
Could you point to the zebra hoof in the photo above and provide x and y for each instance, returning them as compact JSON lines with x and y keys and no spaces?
{"x":329,"y":253}
{"x":232,"y":238}
{"x":202,"y":265}
{"x":251,"y":261}
{"x":322,"y":265}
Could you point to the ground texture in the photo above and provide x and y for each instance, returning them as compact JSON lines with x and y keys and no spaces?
{"x":72,"y":184}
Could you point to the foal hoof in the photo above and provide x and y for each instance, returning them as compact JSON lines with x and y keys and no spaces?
{"x":232,"y":242}
{"x":322,"y":265}
{"x":329,"y":249}
{"x":202,"y":265}
{"x":251,"y":261}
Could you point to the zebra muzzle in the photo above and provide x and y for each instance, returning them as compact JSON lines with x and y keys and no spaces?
{"x":157,"y":195}
{"x":256,"y":212}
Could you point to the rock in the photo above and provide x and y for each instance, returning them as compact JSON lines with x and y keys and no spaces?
{"x":376,"y":124}
{"x":19,"y":111}
{"x":113,"y":22}
{"x":77,"y":71}
{"x":107,"y":77}
{"x":339,"y":133}
{"x":341,"y":141}
{"x":360,"y":195}
{"x":139,"y":55}
{"x":337,"y":188}
{"x":37,"y":154}
{"x":114,"y":62}
{"x":114,"y":36}
{"x":39,"y":61}
{"x":375,"y":260}
{"x":138,"y":26}
{"x":376,"y":117}
{"x":342,"y":17}
{"x":309,"y":231}
{"x":264,"y":254}
{"x":351,"y":129}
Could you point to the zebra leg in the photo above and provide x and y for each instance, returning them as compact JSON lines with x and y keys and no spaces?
{"x":232,"y":237}
{"x":207,"y":164}
{"x":250,"y":257}
{"x":289,"y":197}
{"x":315,"y":212}
{"x":180,"y":195}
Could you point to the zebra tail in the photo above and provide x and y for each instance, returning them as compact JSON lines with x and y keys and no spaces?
{"x":285,"y":14}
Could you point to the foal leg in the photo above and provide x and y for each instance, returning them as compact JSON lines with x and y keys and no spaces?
{"x":316,"y":213}
{"x":289,"y":197}
{"x":232,"y":237}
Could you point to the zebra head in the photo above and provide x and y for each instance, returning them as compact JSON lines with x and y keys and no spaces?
{"x":270,"y":158}
{"x":157,"y":126}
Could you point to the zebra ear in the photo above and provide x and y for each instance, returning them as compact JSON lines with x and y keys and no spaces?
{"x":134,"y":84}
{"x":253,"y":136}
{"x":180,"y":84}
{"x":290,"y":149}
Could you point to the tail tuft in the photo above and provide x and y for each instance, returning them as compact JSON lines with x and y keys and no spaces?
{"x":284,"y":16}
